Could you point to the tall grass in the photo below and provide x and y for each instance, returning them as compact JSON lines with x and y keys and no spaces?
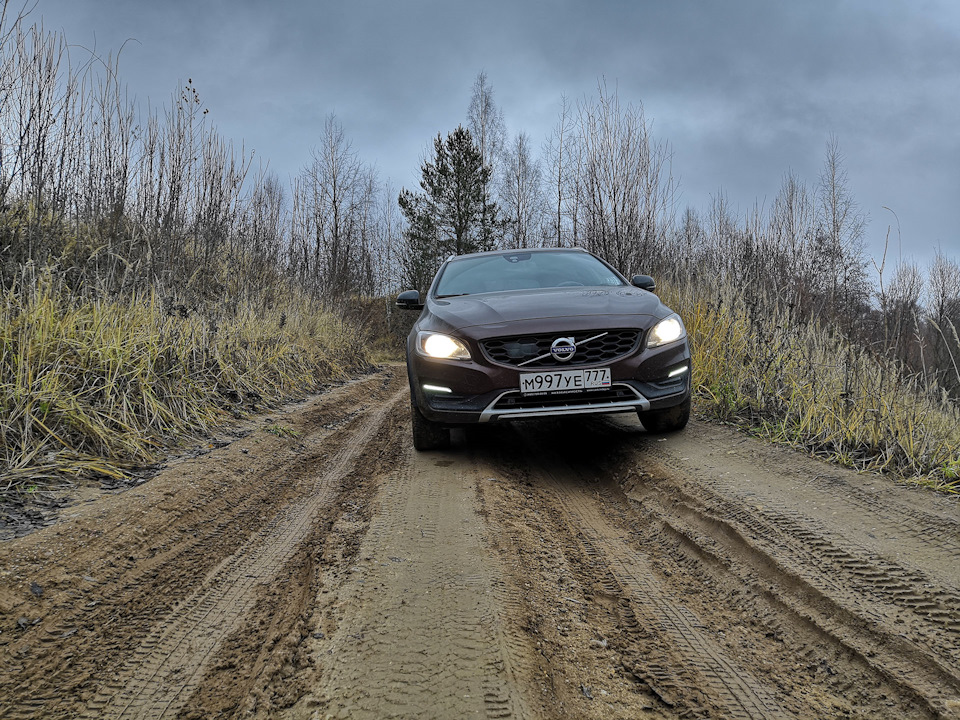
{"x":99,"y":385}
{"x":801,"y":383}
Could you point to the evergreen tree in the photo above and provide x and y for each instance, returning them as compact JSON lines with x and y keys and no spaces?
{"x":447,"y":218}
{"x":421,"y":252}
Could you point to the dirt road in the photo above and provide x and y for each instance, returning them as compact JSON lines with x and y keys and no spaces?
{"x":315,"y":566}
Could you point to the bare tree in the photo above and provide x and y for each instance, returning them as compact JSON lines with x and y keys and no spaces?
{"x":790,"y":234}
{"x":386,"y":244}
{"x":520,"y":194}
{"x":838,"y":244}
{"x":338,"y":196}
{"x":36,"y":104}
{"x":264,"y":219}
{"x":943,"y":303}
{"x":556,"y":153}
{"x":902,"y":312}
{"x":485,"y":123}
{"x":724,"y":233}
{"x":624,"y":183}
{"x":792,"y":219}
{"x":110,"y":149}
{"x":682,"y":258}
{"x":299,"y":241}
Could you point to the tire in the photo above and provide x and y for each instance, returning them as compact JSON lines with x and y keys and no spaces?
{"x":669,"y":420}
{"x":428,"y":435}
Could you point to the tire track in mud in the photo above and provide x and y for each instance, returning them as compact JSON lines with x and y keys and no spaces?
{"x":416,"y":628}
{"x":895,"y":619}
{"x":893,"y":521}
{"x":844,"y":569}
{"x":670,"y":649}
{"x":907,"y":589}
{"x":160,"y":676}
{"x":120,"y":561}
{"x":909,"y":669}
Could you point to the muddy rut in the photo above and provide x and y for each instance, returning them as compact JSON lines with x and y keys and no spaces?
{"x":310,"y":564}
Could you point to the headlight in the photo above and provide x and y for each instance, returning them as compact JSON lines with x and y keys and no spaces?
{"x":666,"y":331}
{"x":438,"y":345}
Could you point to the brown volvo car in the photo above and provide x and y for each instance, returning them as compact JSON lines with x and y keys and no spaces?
{"x":516,"y":334}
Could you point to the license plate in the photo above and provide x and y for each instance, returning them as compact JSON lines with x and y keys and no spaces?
{"x":561,"y":381}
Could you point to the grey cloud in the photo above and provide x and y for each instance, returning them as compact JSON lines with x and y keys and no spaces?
{"x":744,"y":90}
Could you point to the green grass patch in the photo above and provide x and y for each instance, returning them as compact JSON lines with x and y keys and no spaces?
{"x":282,"y":431}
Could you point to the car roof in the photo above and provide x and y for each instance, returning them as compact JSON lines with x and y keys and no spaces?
{"x":516,"y":251}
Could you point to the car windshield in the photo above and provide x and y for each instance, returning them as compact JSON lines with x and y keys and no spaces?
{"x":523,"y":271}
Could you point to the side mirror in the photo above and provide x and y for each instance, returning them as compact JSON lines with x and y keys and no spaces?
{"x":409,"y":300}
{"x":644,"y":282}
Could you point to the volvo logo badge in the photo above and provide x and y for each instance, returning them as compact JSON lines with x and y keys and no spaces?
{"x":563,"y":348}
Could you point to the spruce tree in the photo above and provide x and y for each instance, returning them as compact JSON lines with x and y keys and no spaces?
{"x":447,"y":218}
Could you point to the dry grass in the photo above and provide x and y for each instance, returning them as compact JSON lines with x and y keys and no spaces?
{"x":803,"y":385}
{"x":100,"y":386}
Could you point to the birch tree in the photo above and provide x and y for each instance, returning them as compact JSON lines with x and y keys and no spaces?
{"x":624,"y":184}
{"x":339,"y":193}
{"x":838,"y":243}
{"x":485,"y":123}
{"x":521,"y":195}
{"x":557,"y":163}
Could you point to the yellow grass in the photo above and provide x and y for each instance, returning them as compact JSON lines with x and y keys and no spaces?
{"x":100,"y":385}
{"x":804,"y":385}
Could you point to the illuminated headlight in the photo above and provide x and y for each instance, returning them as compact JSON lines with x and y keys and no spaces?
{"x":666,"y":331}
{"x":438,"y":345}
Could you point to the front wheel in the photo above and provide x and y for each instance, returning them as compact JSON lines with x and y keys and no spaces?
{"x":669,"y":420}
{"x":428,"y":435}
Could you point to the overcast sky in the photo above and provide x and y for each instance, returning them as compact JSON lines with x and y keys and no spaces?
{"x":742,"y":90}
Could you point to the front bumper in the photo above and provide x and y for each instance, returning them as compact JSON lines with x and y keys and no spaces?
{"x":463,"y":393}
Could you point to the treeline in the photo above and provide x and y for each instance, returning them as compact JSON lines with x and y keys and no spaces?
{"x":123,"y":198}
{"x":603,"y":181}
{"x":800,"y":259}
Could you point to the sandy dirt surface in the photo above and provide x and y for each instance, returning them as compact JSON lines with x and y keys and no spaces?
{"x":310,"y":564}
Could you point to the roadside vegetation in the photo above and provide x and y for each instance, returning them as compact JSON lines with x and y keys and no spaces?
{"x":102,"y":385}
{"x":149,"y":290}
{"x":797,"y":342}
{"x":154,"y":280}
{"x":809,"y":386}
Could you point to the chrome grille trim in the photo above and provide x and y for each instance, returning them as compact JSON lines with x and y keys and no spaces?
{"x":514,"y":350}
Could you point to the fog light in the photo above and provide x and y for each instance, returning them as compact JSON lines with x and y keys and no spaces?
{"x":677,"y":372}
{"x":437,"y":389}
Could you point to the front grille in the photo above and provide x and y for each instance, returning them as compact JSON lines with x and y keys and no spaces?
{"x":515,"y":350}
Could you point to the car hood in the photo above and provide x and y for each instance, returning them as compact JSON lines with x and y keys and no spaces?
{"x":495,"y":310}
